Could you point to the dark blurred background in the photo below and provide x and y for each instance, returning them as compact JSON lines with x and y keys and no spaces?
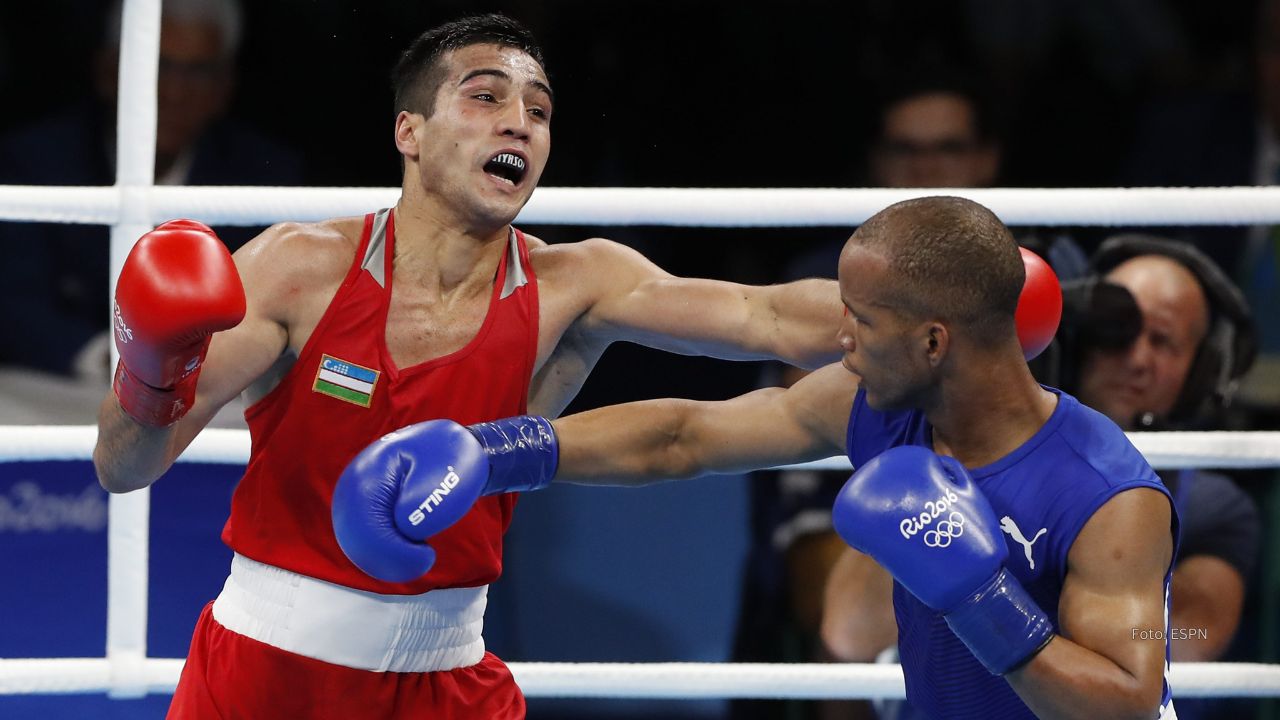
{"x":708,"y":93}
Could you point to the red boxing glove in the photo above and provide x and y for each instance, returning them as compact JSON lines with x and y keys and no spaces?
{"x":178,"y":286}
{"x":1039,"y":305}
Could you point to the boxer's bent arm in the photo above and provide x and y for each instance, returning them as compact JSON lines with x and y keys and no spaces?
{"x":129,"y":456}
{"x":639,"y":302}
{"x":641,"y":442}
{"x":1108,"y":660}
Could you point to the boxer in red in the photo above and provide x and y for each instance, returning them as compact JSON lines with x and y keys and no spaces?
{"x":341,"y":331}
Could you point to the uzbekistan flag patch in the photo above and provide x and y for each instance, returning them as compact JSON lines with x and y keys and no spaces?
{"x":345,"y":381}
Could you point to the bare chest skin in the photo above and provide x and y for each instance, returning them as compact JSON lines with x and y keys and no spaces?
{"x":421,"y":327}
{"x":418,"y":329}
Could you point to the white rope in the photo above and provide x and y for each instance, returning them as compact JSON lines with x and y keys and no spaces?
{"x":821,"y":681}
{"x":1172,"y":450}
{"x":684,"y":207}
{"x":649,"y":680}
{"x":82,"y":675}
{"x":75,"y":442}
{"x":37,"y":203}
{"x":707,"y":680}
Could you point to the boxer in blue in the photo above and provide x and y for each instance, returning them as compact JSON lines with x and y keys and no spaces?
{"x":1030,"y":543}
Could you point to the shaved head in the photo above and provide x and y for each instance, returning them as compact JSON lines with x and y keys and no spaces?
{"x":948,"y":258}
{"x":1157,"y":281}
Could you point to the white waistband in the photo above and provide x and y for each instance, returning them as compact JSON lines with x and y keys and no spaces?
{"x":438,"y":630}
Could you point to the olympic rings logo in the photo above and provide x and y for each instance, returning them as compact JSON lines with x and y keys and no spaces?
{"x":940,"y":537}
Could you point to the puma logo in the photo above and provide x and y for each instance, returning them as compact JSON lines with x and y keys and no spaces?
{"x":1011,"y":528}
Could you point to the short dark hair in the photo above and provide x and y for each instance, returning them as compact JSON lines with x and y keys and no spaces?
{"x":417,"y":75}
{"x":951,"y":258}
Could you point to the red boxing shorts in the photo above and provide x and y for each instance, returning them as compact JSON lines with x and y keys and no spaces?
{"x":229,"y":676}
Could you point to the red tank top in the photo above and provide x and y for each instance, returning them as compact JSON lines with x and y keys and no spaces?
{"x":344,"y":392}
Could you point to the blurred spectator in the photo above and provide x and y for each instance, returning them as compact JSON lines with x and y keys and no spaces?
{"x":934,"y":134}
{"x":1196,"y":338}
{"x":1228,"y":139}
{"x":56,"y":289}
{"x":1191,"y":341}
{"x":932,"y":130}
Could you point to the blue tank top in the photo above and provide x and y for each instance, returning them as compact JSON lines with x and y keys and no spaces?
{"x":1044,"y":492}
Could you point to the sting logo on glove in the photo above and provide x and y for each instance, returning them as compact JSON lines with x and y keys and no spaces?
{"x":437,"y":496}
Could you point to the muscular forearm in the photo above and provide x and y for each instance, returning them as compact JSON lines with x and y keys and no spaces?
{"x":806,"y":315}
{"x":1066,"y":680}
{"x":129,"y":456}
{"x":631,"y":444}
{"x":655,"y":440}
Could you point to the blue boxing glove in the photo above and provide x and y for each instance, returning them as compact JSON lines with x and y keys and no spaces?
{"x":413,"y":483}
{"x":923,"y":518}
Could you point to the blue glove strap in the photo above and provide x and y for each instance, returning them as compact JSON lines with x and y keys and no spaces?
{"x":523,"y":453}
{"x":1000,"y":623}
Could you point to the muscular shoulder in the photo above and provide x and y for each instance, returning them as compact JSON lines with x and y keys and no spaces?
{"x":303,"y":248}
{"x":1131,"y":530}
{"x":290,"y":261}
{"x":592,"y":260}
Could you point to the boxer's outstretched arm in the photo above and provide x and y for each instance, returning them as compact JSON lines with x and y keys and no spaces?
{"x":1108,"y":660}
{"x":639,"y":302}
{"x":130,"y":455}
{"x":636,"y":443}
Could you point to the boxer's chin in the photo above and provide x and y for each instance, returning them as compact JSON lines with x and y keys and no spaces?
{"x":888,"y":401}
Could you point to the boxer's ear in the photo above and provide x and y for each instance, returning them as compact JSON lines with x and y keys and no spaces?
{"x":407,"y":142}
{"x":937,"y":343}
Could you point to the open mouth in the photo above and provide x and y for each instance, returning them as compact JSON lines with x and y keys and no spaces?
{"x":507,"y":166}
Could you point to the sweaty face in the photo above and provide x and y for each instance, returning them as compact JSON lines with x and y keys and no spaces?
{"x":880,"y":345}
{"x":1148,"y":375}
{"x":932,"y":141}
{"x":484,"y":147}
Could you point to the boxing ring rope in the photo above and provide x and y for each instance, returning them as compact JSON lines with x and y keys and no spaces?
{"x":680,"y":681}
{"x":680,"y":207}
{"x":134,"y":205}
{"x":1164,"y":450}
